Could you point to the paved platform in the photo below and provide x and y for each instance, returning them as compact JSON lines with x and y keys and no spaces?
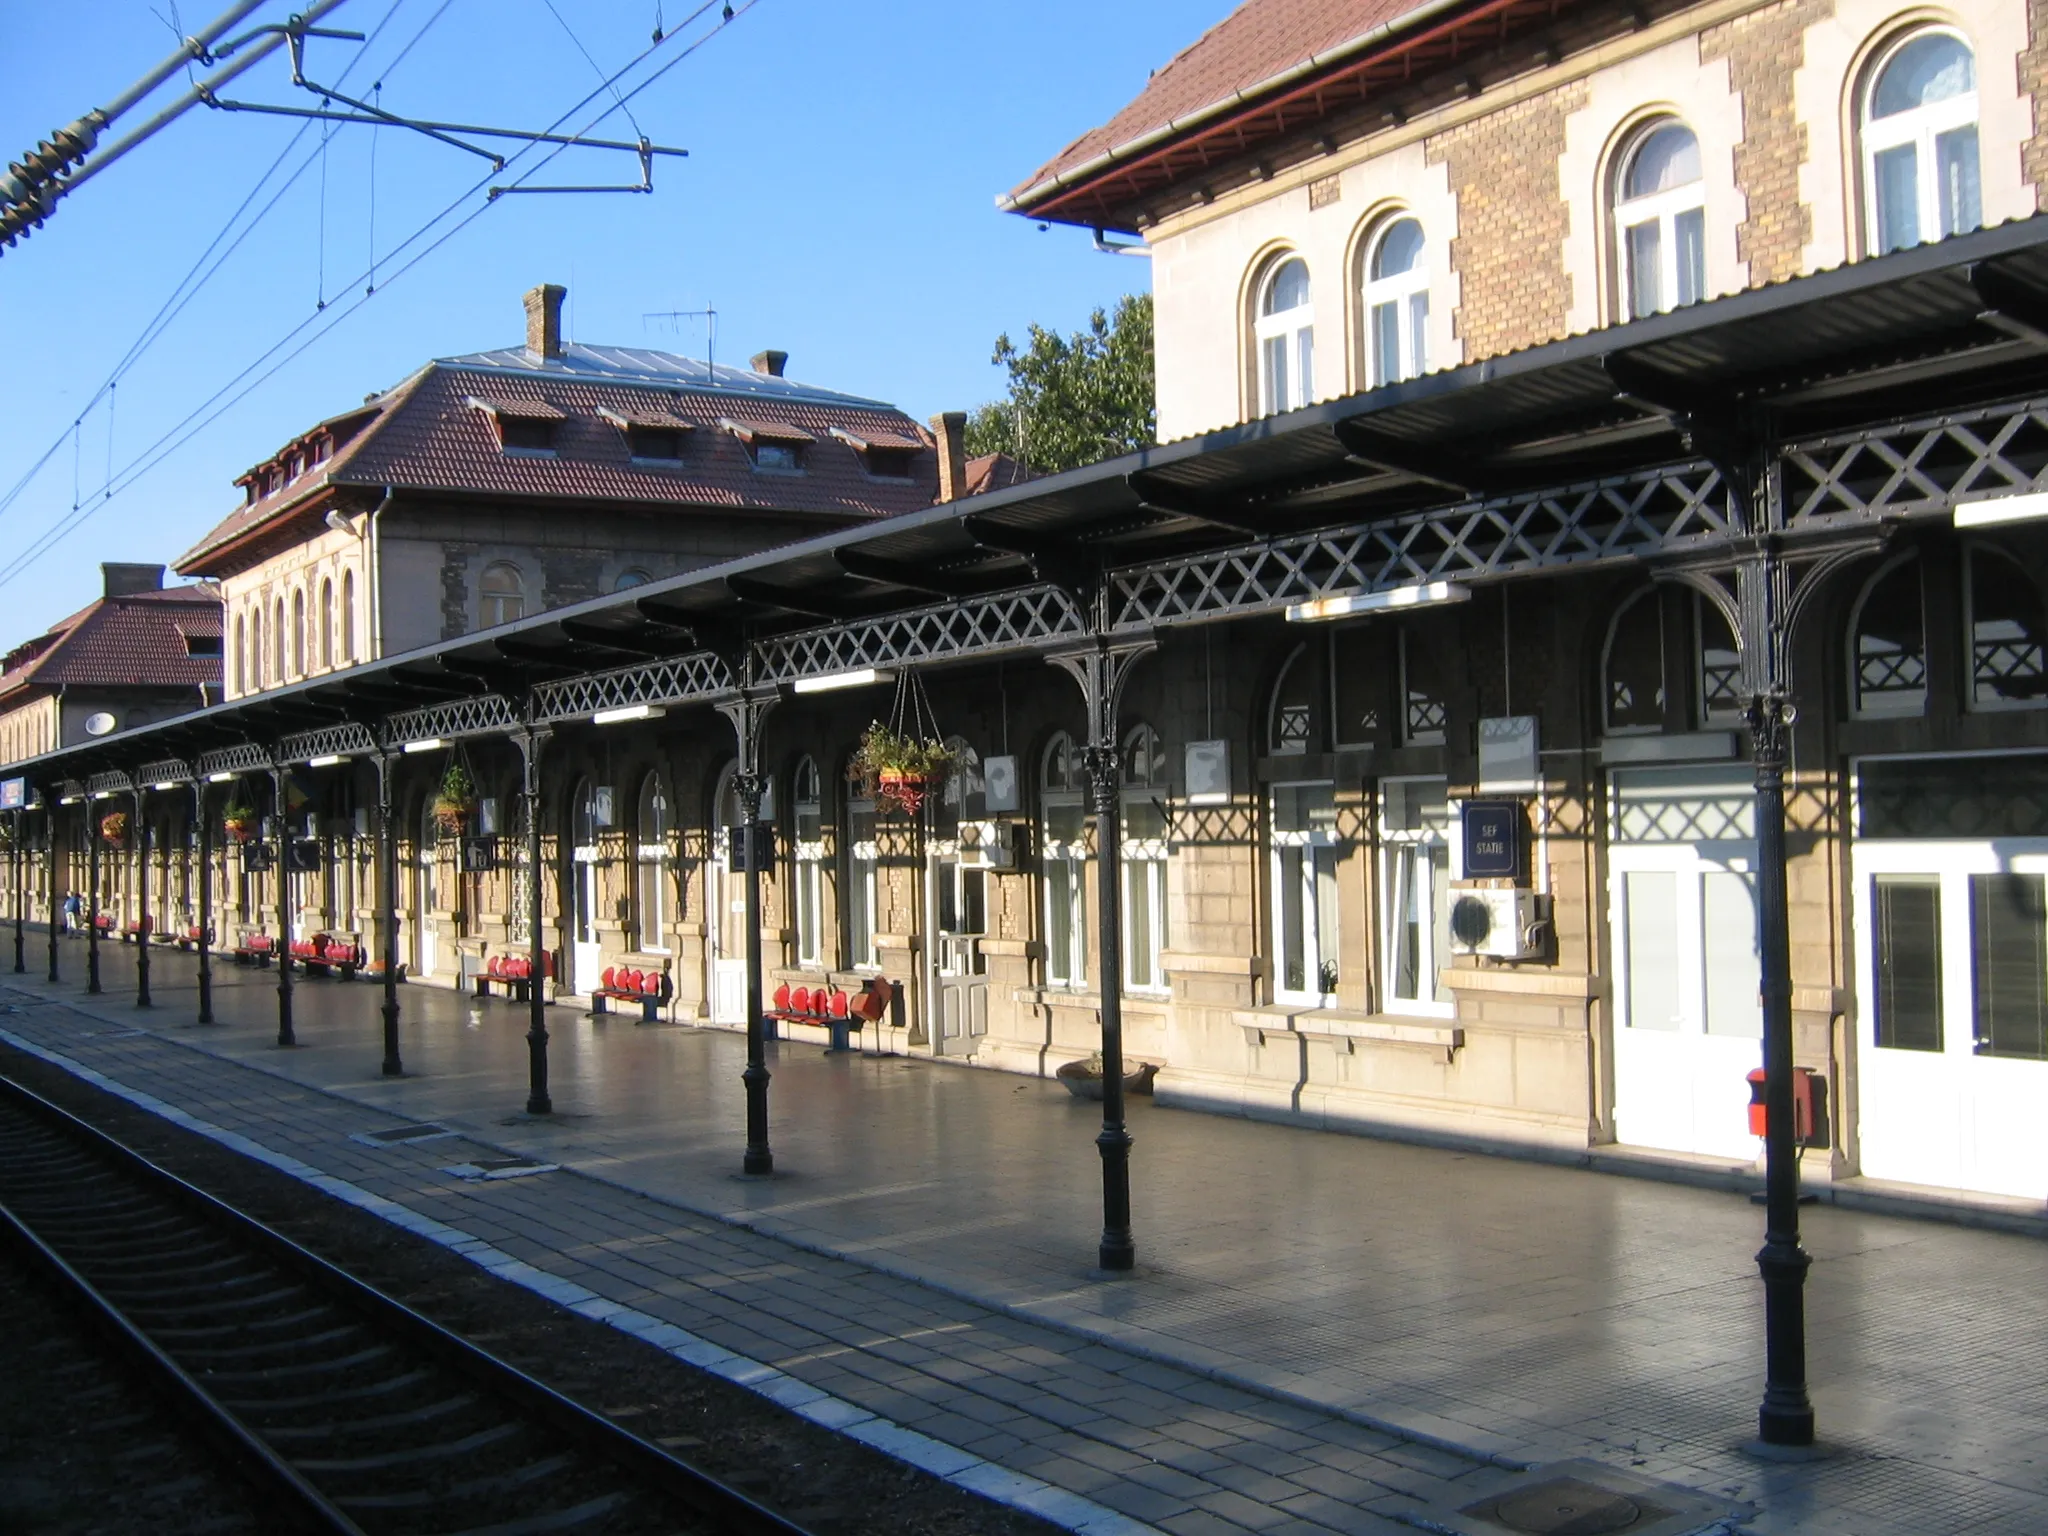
{"x":1323,"y":1333}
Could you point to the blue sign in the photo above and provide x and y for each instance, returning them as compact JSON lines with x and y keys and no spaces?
{"x":1493,"y":839}
{"x":13,"y":794}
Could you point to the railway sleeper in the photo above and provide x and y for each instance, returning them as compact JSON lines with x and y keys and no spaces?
{"x":475,"y":1488}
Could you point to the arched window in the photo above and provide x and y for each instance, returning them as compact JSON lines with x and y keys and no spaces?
{"x":1633,"y":669}
{"x":652,"y":865}
{"x":326,"y":623}
{"x":1720,"y":664}
{"x":1063,"y":809}
{"x":1143,"y":771}
{"x":1285,"y":335}
{"x":630,"y":579}
{"x":1888,"y":643}
{"x":1424,"y":713}
{"x":299,"y":632}
{"x":2008,"y":665}
{"x":348,"y":616}
{"x":1660,"y":221}
{"x":501,"y":595}
{"x":241,"y":653}
{"x":807,"y":806}
{"x":1292,"y":727}
{"x":860,"y":910}
{"x":277,"y":642}
{"x":1305,"y":931}
{"x":1919,"y":123}
{"x":1397,"y":303}
{"x":256,"y":652}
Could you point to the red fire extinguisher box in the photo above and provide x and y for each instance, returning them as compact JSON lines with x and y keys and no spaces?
{"x":1809,"y":1106}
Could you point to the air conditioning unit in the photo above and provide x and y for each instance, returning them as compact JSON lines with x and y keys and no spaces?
{"x":1506,"y":924}
{"x":988,"y":845}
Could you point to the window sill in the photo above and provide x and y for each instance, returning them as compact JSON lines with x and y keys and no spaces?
{"x":1286,"y":1022}
{"x":1080,"y":997}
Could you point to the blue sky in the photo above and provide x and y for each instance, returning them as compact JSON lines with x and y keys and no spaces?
{"x":837,"y":203}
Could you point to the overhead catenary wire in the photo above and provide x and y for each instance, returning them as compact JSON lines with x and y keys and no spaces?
{"x":242,"y":384}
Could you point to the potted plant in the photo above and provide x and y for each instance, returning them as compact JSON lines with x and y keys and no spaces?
{"x":239,"y":821}
{"x":901,"y":767}
{"x":1084,"y":1077}
{"x":114,"y":828}
{"x":455,"y":803}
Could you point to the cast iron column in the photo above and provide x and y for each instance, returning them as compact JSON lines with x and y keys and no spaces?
{"x":285,"y":1033}
{"x":204,"y":844}
{"x":1101,"y":671}
{"x":92,"y":896}
{"x":142,"y":999}
{"x":20,"y":895}
{"x":387,"y":912}
{"x":746,"y":714}
{"x":537,"y":1100}
{"x":50,"y":870}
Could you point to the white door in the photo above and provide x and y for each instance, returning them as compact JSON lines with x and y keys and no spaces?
{"x":1952,"y":955}
{"x":1682,"y":918}
{"x":588,"y":955}
{"x":425,"y":890}
{"x":957,"y":909}
{"x":726,"y":933}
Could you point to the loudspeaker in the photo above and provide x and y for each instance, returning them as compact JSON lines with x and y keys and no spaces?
{"x":999,"y":778}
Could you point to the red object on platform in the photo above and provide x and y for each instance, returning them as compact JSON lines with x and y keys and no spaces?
{"x":1802,"y":1104}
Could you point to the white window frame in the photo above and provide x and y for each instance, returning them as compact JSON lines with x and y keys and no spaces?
{"x":1411,"y":329}
{"x":491,"y":606}
{"x":651,"y":869}
{"x":863,"y":864}
{"x":1315,"y":844}
{"x":1404,"y":854}
{"x":1662,"y":209}
{"x":1144,"y":864}
{"x":1064,"y":866}
{"x":1920,"y":128}
{"x":1294,"y":329}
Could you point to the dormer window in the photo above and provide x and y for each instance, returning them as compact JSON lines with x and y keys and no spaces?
{"x":885,"y":455}
{"x":652,"y":437}
{"x":774,"y":446}
{"x":202,"y":645}
{"x":526,"y":428}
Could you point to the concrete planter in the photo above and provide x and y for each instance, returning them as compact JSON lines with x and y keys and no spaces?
{"x":1084,"y":1081}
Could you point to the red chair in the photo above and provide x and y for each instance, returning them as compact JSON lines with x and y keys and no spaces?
{"x":840,"y":1004}
{"x":782,"y":998}
{"x":610,"y":979}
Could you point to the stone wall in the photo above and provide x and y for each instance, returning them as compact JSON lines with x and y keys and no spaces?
{"x":1764,"y":50}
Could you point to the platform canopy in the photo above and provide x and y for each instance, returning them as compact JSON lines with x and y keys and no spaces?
{"x":1885,"y":389}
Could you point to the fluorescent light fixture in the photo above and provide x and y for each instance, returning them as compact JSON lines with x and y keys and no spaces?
{"x":167,"y":784}
{"x":103,"y":794}
{"x":2001,"y":509}
{"x":69,"y":800}
{"x":328,"y":761}
{"x":861,"y":678}
{"x":630,"y":712}
{"x":1343,"y":607}
{"x":431,"y":744}
{"x":220,"y":778}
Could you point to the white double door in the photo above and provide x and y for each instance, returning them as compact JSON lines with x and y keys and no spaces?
{"x":725,"y":950}
{"x":1952,"y":972}
{"x":587,"y":953}
{"x":1688,"y":1025}
{"x":957,"y":982}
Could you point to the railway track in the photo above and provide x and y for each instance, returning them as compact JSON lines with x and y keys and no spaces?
{"x":347,"y":1410}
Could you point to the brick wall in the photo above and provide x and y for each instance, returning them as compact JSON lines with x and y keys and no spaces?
{"x":1764,"y":49}
{"x":1512,"y":219}
{"x":2034,"y":86}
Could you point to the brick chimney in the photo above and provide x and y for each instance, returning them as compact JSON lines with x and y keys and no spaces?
{"x":118,"y":579}
{"x":544,"y":320}
{"x":770,"y":362}
{"x":950,"y":428}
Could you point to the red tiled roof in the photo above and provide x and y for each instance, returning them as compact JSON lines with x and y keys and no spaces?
{"x":659,"y":421}
{"x":865,"y":442}
{"x":518,"y":410}
{"x":994,"y":472}
{"x":135,"y":640}
{"x":768,"y":431}
{"x":425,"y":437}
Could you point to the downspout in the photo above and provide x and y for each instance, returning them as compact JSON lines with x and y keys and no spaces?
{"x":1120,"y":247}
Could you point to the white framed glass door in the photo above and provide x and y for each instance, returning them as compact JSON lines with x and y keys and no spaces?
{"x":426,"y":891}
{"x":1952,"y":964}
{"x":725,"y":935}
{"x":1682,"y":920}
{"x":586,"y":957}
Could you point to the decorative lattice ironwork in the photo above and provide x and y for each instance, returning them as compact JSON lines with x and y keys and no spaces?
{"x":1682,"y":806}
{"x":345,"y":740}
{"x":108,"y":782}
{"x":243,"y":757}
{"x":1007,"y":621}
{"x":490,"y":715}
{"x":1917,"y":468}
{"x":171,"y":770}
{"x":676,"y":680}
{"x":1660,"y":512}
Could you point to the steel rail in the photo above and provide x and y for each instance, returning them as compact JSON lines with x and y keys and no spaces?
{"x":725,"y":1508}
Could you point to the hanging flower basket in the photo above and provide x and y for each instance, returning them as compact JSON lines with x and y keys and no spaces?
{"x":240,"y":822}
{"x":455,"y":803}
{"x":114,"y":828}
{"x":899,"y":767}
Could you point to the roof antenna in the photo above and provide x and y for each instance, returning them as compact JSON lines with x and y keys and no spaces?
{"x":710,"y":318}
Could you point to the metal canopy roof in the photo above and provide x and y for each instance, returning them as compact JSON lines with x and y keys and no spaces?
{"x":1936,"y":328}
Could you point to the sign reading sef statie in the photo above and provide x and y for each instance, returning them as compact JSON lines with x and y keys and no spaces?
{"x":1493,"y":839}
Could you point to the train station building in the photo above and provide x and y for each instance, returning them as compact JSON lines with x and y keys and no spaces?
{"x":1586,"y":616}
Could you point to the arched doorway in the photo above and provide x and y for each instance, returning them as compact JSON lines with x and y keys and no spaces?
{"x":725,"y":929}
{"x":956,"y":908}
{"x":426,"y":889}
{"x":586,"y":957}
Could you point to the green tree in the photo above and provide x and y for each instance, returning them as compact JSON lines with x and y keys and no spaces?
{"x":1074,"y":399}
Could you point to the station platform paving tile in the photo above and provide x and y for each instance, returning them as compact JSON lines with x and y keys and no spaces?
{"x":1324,"y":1332}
